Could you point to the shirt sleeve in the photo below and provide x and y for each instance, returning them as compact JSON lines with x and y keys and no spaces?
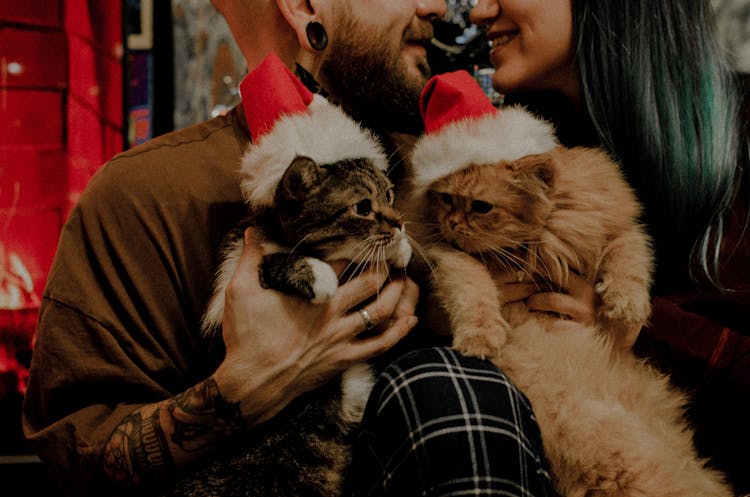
{"x":694,"y":348}
{"x":115,"y":330}
{"x":119,"y":323}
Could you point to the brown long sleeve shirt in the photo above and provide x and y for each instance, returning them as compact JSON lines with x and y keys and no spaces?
{"x":119,"y":321}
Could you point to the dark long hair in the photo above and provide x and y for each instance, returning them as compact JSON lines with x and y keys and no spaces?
{"x":665,"y":102}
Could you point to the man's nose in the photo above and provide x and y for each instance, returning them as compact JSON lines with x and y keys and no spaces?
{"x":431,"y":9}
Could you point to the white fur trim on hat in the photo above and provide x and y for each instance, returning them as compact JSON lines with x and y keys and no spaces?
{"x":508,"y":135}
{"x":324,"y":133}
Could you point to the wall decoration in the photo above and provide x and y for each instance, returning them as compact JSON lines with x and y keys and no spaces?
{"x":208,"y":65}
{"x":140,"y":24}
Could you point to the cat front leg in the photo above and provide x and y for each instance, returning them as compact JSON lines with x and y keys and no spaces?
{"x":623,"y":285}
{"x":467,"y":292}
{"x":307,"y":277}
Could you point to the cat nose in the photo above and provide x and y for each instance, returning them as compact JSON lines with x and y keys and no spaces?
{"x":453,"y":222}
{"x":393,"y":218}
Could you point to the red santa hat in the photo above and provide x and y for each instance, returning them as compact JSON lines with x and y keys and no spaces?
{"x":463,"y":128}
{"x":285,"y":121}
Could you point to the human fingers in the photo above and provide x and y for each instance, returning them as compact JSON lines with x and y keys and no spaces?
{"x":339,"y":266}
{"x":379,"y":310}
{"x":582,"y":290}
{"x":359,"y":289}
{"x":371,"y":346}
{"x":515,"y":292}
{"x":407,"y":304}
{"x":514,"y":286}
{"x":566,"y":306}
{"x":245,"y":276}
{"x":405,"y":307}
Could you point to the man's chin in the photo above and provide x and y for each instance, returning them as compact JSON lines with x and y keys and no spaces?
{"x":388,"y":99}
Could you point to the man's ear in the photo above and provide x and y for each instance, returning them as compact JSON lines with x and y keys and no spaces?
{"x":298,"y":14}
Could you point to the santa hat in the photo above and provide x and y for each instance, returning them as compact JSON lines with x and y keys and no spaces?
{"x":463,"y":128}
{"x":285,"y":121}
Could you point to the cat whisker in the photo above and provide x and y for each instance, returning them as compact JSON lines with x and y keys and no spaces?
{"x":481,"y":256}
{"x":300,"y":242}
{"x":393,"y":165}
{"x":510,"y":261}
{"x":419,"y":250}
{"x":363,"y":256}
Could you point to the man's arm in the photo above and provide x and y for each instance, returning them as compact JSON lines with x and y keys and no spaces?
{"x":277,"y":348}
{"x":156,"y":439}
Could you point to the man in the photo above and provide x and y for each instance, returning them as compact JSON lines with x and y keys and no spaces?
{"x":123,"y":391}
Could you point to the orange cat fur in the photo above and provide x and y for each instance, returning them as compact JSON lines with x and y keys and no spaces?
{"x":611,"y":424}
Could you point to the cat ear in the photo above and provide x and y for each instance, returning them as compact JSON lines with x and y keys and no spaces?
{"x":540,"y":167}
{"x":298,"y":178}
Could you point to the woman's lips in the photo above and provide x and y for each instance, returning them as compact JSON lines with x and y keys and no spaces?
{"x":501,"y":38}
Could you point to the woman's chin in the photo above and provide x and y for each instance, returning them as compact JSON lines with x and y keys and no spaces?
{"x":503,"y":84}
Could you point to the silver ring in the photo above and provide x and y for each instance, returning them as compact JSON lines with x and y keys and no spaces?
{"x":366,"y":318}
{"x":519,"y":276}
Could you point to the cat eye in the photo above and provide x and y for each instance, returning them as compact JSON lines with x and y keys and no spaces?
{"x":446,"y":198}
{"x":481,"y":207}
{"x":363,"y":207}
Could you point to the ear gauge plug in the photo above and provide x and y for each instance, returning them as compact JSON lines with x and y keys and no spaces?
{"x":317,"y":35}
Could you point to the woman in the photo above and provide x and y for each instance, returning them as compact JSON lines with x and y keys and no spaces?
{"x":648,"y":81}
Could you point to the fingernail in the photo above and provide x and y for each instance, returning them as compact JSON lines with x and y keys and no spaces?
{"x":412,"y":321}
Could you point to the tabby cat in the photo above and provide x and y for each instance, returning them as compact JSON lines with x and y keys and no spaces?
{"x":611,"y":424}
{"x":321,"y":212}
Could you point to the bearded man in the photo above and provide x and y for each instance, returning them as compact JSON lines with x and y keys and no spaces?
{"x":123,"y":391}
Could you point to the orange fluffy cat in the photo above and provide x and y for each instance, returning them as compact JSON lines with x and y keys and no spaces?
{"x":611,"y":424}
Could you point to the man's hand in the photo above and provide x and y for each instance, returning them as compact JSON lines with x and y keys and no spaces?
{"x":279,"y":346}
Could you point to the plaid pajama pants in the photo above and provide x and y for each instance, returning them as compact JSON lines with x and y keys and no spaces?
{"x":439,"y":424}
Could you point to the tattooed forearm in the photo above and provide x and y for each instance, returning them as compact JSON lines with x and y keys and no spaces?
{"x":137,"y":450}
{"x":155,"y":457}
{"x":149,"y":446}
{"x":201,"y":415}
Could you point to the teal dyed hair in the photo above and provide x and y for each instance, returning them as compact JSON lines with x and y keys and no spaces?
{"x":665,"y":102}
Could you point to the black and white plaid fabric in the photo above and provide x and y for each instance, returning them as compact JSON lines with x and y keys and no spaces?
{"x":441,"y":424}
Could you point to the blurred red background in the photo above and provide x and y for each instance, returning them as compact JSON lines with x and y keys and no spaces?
{"x":61,"y":117}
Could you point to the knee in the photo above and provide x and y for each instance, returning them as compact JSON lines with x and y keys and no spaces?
{"x":435,"y":418}
{"x":437,"y":382}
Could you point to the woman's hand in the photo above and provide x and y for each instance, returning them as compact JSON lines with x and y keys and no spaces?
{"x":575,"y":304}
{"x":279,"y":346}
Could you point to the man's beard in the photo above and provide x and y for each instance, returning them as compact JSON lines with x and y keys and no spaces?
{"x":373,"y":82}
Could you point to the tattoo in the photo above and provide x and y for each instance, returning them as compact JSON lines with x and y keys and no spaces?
{"x":137,"y":451}
{"x":155,"y":456}
{"x":201,"y":415}
{"x":117,"y":461}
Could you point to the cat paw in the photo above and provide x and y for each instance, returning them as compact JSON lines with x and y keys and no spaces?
{"x":484,"y":343}
{"x":325,"y":282}
{"x":625,"y":301}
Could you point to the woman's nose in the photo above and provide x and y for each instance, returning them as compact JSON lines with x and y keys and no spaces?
{"x":484,"y":11}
